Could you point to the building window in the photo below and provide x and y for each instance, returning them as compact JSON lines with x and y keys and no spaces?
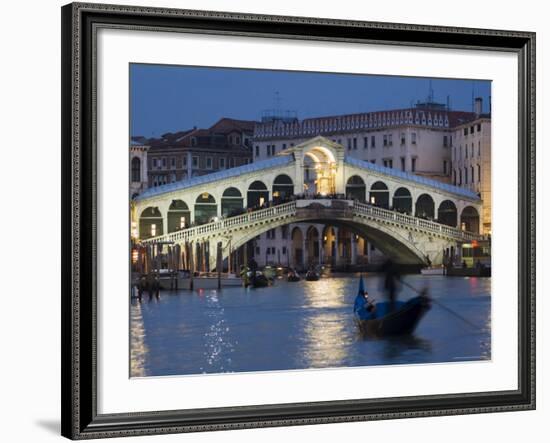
{"x":284,"y":250}
{"x":478,"y":148}
{"x":257,"y":250}
{"x":471,"y":129}
{"x":413,"y":138}
{"x":222,"y":162}
{"x":413,"y":164}
{"x":465,"y":131}
{"x":388,"y":163}
{"x":365,"y":142}
{"x":402,"y":138}
{"x":460,"y":177}
{"x":445,"y":141}
{"x":472,"y":151}
{"x":257,"y":151}
{"x":273,"y":149}
{"x":465,"y":175}
{"x":472,"y":172}
{"x":185,"y":160}
{"x":354,"y":143}
{"x":479,"y":127}
{"x":402,"y":163}
{"x":454,"y":177}
{"x":385,"y":142}
{"x":372,"y":141}
{"x":195,"y":161}
{"x":268,"y":150}
{"x":136,"y":170}
{"x":193,"y":141}
{"x":173,"y":163}
{"x":390,"y":142}
{"x":373,"y":161}
{"x":478,"y":173}
{"x":163,"y":162}
{"x":466,"y":151}
{"x":155,"y":163}
{"x":445,"y":167}
{"x":284,"y":146}
{"x":349,"y":144}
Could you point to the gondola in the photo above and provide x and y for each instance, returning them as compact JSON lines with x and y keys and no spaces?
{"x":293,"y":276}
{"x":259,"y":280}
{"x":377,"y":320}
{"x":311,"y":275}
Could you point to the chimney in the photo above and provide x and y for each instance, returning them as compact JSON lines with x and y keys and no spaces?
{"x":478,"y":106}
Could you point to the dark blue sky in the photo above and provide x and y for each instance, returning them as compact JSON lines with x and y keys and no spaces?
{"x":172,"y":98}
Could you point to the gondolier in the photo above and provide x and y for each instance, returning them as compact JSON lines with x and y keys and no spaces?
{"x":386,"y":318}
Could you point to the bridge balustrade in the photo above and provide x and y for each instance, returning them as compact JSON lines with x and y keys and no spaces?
{"x":289,"y":208}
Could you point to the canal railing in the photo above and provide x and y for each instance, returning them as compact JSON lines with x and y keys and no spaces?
{"x":290,"y":210}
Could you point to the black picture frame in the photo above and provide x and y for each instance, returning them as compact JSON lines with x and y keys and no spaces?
{"x":79,"y":174}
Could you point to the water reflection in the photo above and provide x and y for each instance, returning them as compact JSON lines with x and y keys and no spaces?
{"x":301,"y":325}
{"x":326,"y":336}
{"x":138,"y":349}
{"x":218,"y":347}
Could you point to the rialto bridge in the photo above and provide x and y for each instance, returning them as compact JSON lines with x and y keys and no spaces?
{"x":406,"y":216}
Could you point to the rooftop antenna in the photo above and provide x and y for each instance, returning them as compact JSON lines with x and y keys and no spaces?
{"x":472,"y":96}
{"x":277,"y":100}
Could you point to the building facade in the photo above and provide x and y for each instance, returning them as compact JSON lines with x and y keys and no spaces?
{"x":412,"y":140}
{"x":191,"y":153}
{"x":471,"y":160}
{"x":138,"y":168}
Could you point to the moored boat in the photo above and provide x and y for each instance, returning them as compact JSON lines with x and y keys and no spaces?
{"x":433,"y":270}
{"x":259,"y":280}
{"x":312,"y":275}
{"x":293,"y":276}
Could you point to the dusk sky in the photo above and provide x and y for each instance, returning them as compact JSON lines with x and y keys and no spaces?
{"x":173,"y":98}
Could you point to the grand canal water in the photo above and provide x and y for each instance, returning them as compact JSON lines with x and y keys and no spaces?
{"x":301,"y":325}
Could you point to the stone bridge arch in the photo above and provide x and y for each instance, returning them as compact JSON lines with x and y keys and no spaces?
{"x":397,"y":246}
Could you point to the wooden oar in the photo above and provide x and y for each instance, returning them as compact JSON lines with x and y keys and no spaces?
{"x":441,"y":305}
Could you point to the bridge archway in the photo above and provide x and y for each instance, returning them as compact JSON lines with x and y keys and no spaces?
{"x":179,"y":216}
{"x":425,"y":207}
{"x":257,"y":194}
{"x":150,"y":223}
{"x":402,"y":200}
{"x":393,"y":245}
{"x":297,"y":253}
{"x":447,"y":213}
{"x":379,"y":195}
{"x":469,"y":219}
{"x":356,"y":188}
{"x":312,"y":245}
{"x":319,"y":164}
{"x":205,"y":208}
{"x":232,"y":202}
{"x":283,"y":188}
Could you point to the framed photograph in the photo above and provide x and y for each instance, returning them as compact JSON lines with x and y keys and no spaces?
{"x":273,"y":221}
